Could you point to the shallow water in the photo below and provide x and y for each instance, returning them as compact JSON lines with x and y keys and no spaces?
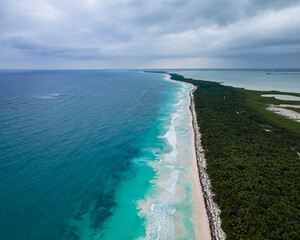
{"x":282,"y":97}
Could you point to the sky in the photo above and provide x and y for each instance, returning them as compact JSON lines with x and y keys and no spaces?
{"x":98,"y":34}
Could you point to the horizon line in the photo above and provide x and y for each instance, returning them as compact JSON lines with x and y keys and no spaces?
{"x":137,"y":69}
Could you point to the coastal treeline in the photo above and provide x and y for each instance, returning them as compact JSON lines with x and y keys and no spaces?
{"x":254,"y":172}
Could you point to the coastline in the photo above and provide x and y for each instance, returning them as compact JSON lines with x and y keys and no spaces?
{"x":206,"y":213}
{"x":212,"y":210}
{"x":202,"y":224}
{"x":176,"y":208}
{"x":240,"y":122}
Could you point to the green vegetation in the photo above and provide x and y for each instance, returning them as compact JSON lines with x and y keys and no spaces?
{"x":254,"y":173}
{"x":282,"y":125}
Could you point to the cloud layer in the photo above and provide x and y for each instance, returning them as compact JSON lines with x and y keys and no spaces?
{"x":149,"y":34}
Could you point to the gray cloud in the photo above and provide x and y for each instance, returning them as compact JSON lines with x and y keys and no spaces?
{"x":157,"y":33}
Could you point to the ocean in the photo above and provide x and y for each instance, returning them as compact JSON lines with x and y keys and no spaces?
{"x":254,"y":79}
{"x":95,"y":154}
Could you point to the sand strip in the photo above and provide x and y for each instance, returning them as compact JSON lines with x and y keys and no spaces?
{"x":207,"y":225}
{"x":212,"y":209}
{"x":202,"y":226}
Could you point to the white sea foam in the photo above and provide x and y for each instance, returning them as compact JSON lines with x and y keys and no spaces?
{"x":160,"y":206}
{"x":170,"y":184}
{"x":50,"y":96}
{"x":171,"y":136}
{"x":167,"y":77}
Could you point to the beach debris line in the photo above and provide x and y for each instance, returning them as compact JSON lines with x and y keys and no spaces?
{"x":212,"y":209}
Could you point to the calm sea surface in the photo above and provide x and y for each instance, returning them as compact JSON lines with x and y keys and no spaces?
{"x":92,"y":155}
{"x":265,"y":80}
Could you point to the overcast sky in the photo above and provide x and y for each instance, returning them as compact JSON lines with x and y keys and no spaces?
{"x":149,"y":33}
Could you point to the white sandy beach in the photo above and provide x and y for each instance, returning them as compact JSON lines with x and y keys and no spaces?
{"x":205,"y":213}
{"x":192,"y":187}
{"x":205,"y":201}
{"x":202,"y":229}
{"x":281,"y":110}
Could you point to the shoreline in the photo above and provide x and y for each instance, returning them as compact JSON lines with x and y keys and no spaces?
{"x":242,"y":123}
{"x":201,"y":224}
{"x":199,"y":175}
{"x":212,"y":210}
{"x":233,"y":124}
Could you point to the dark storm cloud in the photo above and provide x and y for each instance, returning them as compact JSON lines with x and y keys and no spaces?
{"x":147,"y":33}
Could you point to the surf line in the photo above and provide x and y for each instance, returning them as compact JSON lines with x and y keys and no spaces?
{"x":212,"y":210}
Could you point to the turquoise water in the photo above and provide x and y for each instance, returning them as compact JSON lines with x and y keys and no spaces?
{"x":94,"y":155}
{"x":265,"y":80}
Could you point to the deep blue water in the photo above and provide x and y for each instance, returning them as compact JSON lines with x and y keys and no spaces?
{"x":70,"y":141}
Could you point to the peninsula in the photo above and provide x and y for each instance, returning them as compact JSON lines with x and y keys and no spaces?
{"x":252,"y":162}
